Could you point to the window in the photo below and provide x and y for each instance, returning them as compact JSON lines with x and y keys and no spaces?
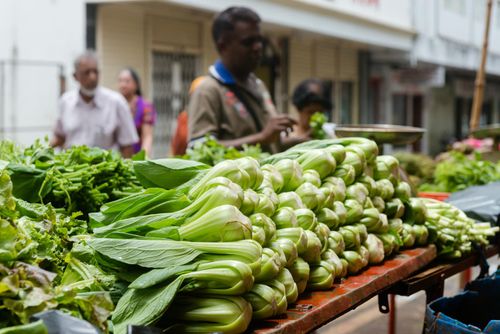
{"x":399,"y":109}
{"x":463,"y":107}
{"x":340,"y":93}
{"x":346,"y":90}
{"x":90,"y":29}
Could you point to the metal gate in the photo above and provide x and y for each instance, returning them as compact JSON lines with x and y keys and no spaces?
{"x":172,"y":76}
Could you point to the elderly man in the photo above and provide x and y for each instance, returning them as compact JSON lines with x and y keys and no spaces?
{"x":232,"y":104}
{"x":93,"y":115}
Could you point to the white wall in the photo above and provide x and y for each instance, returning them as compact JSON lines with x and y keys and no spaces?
{"x":33,"y":32}
{"x":451,"y":33}
{"x":359,"y":24}
{"x":392,"y":13}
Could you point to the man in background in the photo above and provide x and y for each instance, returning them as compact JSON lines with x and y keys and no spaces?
{"x":232,"y":104}
{"x":93,"y":115}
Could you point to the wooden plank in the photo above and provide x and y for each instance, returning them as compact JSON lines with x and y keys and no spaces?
{"x":317,"y":308}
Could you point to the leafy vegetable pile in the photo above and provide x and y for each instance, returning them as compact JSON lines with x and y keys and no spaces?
{"x":209,"y":248}
{"x":37,"y":272}
{"x":318,"y":119}
{"x":419,"y":167}
{"x":460,"y":171}
{"x":78,"y":179}
{"x":211,"y":152}
{"x":452,"y":231}
{"x":245,"y":238}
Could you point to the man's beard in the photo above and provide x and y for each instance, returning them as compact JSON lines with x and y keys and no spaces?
{"x":88,"y":92}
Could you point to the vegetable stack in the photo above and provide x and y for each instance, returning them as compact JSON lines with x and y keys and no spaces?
{"x":208,"y":248}
{"x":452,"y":231}
{"x":308,"y":212}
{"x":191,"y":247}
{"x":37,"y":272}
{"x":79,"y":179}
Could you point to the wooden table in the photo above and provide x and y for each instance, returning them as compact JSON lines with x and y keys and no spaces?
{"x":431,"y":278}
{"x":315,"y":309}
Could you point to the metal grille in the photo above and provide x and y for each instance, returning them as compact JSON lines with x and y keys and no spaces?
{"x":172,"y":76}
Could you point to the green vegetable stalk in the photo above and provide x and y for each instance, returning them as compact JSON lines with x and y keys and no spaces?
{"x":312,"y":252}
{"x":331,"y":257}
{"x":329,"y":218}
{"x":319,"y":160}
{"x":289,"y":250}
{"x":270,"y":265}
{"x":321,"y":276}
{"x":339,"y":187}
{"x":351,"y":236}
{"x":291,"y":290}
{"x":316,"y":124}
{"x":296,"y":234}
{"x":336,"y":242}
{"x":312,"y":176}
{"x":300,"y":271}
{"x":323,"y":233}
{"x":264,"y":222}
{"x":375,"y":247}
{"x":272,"y":178}
{"x":264,"y":301}
{"x":291,"y":172}
{"x":309,"y":195}
{"x":306,"y":219}
{"x":290,"y":199}
{"x":208,"y":314}
{"x":285,"y":217}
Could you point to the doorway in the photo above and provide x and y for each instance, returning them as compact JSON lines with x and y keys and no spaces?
{"x":407,"y":109}
{"x":172,"y":76}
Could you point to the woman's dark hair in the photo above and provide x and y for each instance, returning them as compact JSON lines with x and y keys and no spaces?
{"x":304,"y":94}
{"x":136,"y":79}
{"x":224,"y":21}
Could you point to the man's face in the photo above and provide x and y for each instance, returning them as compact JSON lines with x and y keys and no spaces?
{"x":242,"y":48}
{"x":87,"y":74}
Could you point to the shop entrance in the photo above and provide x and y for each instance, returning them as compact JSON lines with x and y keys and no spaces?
{"x":407,"y":109}
{"x":172,"y":75}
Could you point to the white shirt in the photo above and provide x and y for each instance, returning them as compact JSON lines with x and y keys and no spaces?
{"x":104,"y":122}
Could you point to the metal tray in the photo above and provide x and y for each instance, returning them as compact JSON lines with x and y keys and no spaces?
{"x":381,"y":133}
{"x":492,"y":130}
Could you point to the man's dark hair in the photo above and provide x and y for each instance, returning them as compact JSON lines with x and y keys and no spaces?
{"x":304,"y":95}
{"x":224,"y":21}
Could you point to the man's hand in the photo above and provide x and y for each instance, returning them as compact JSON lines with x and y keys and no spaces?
{"x":274,"y":127}
{"x":127,"y":151}
{"x":294,"y":139}
{"x":57,"y":141}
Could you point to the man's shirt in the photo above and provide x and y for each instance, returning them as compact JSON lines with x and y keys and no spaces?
{"x":104,"y":122}
{"x":215,"y":109}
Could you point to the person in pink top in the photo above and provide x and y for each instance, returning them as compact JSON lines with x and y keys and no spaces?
{"x":143,"y":112}
{"x":93,"y":115}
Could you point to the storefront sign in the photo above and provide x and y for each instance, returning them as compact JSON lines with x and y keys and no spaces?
{"x":422,"y":77}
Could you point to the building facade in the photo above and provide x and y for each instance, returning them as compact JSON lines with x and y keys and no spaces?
{"x":385,"y":61}
{"x":170,"y":43}
{"x":40,"y":39}
{"x":432,"y":86}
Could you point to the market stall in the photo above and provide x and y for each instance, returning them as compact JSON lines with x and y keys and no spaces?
{"x":291,"y":241}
